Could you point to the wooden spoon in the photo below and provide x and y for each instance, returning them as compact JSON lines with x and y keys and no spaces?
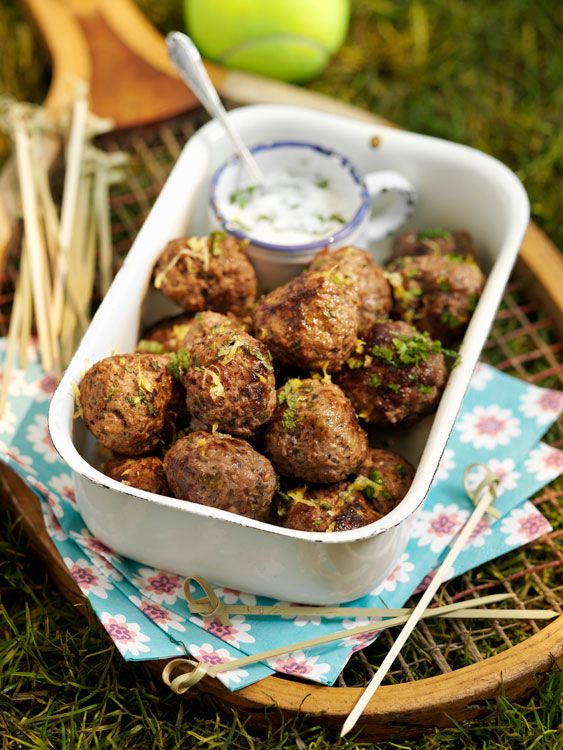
{"x":110,"y":45}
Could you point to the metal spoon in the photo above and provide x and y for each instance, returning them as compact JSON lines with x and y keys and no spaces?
{"x":187,"y":61}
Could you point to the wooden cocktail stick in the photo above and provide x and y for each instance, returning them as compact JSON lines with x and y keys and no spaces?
{"x":211,"y":607}
{"x":193,"y":671}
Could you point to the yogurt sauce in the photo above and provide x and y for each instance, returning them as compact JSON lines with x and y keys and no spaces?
{"x":287,"y":209}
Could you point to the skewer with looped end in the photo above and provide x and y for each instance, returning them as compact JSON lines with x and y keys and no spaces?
{"x":483,"y":497}
{"x":191,"y":672}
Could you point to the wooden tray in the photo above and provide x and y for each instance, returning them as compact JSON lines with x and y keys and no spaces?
{"x":533,"y":312}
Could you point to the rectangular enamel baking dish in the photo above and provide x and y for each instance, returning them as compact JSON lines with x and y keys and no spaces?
{"x":459,"y":187}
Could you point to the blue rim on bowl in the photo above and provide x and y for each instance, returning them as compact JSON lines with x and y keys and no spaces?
{"x":356,"y":219}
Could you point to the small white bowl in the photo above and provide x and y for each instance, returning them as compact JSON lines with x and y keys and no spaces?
{"x":458,"y":187}
{"x":376,"y":204}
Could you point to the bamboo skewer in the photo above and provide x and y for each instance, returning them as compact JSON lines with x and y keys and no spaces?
{"x":58,"y":260}
{"x":484,"y":495}
{"x":211,"y":607}
{"x":74,"y":158}
{"x":196,"y":671}
{"x":35,"y":246}
{"x":24,"y":292}
{"x":11,"y":345}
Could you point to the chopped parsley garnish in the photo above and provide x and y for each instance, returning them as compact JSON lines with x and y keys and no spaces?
{"x":354,"y":363}
{"x":216,"y":239}
{"x":382,"y":351}
{"x":411,"y":350}
{"x":374,"y":381}
{"x":395,"y":387}
{"x":425,"y":389}
{"x":179,"y":363}
{"x":289,"y":395}
{"x":110,"y":393}
{"x":142,"y":398}
{"x":400,"y":470}
{"x":322,"y":182}
{"x":433,"y":234}
{"x":242,"y":197}
{"x":368,"y":487}
{"x":443,"y":285}
{"x":375,"y":476}
{"x":450,"y":320}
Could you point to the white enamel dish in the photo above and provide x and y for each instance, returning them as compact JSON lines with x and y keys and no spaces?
{"x":458,"y":187}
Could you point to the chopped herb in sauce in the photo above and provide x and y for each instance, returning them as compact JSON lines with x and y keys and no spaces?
{"x":242,"y":197}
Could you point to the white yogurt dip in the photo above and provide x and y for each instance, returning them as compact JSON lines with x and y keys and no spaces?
{"x":288,"y":208}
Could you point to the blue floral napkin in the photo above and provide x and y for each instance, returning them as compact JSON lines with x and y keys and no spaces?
{"x":144,"y":610}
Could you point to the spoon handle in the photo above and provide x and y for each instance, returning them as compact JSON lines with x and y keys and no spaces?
{"x":187,"y":60}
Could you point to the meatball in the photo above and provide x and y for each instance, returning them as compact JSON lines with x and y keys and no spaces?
{"x":166,"y":336}
{"x":436,"y":294}
{"x":399,"y":378}
{"x":131,"y":403}
{"x":392,"y":476}
{"x":367,"y":277}
{"x":314,"y":434}
{"x":311,"y":322}
{"x":209,"y":323}
{"x":230,"y":380}
{"x":145,"y":473}
{"x":222,"y":472}
{"x":200,"y":273}
{"x":336,"y":507}
{"x":434,"y":242}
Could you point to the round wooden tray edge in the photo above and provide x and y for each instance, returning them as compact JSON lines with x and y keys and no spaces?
{"x":438,"y":701}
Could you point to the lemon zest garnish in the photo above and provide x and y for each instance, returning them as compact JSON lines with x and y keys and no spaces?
{"x":196,"y":248}
{"x":298,"y":496}
{"x":217,"y":390}
{"x":77,"y":405}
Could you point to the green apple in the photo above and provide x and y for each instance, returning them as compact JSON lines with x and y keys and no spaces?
{"x":287,"y":39}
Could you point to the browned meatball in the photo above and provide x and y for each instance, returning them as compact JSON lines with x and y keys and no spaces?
{"x":145,"y":473}
{"x":392,"y":476}
{"x":131,"y":402}
{"x":434,"y":242}
{"x":209,"y":323}
{"x":367,"y":277}
{"x":399,"y":378}
{"x":166,"y":336}
{"x":221,"y":472}
{"x":436,"y":294}
{"x":336,"y":507}
{"x":230,"y":381}
{"x":314,"y":434}
{"x":310,"y":322}
{"x":200,"y":273}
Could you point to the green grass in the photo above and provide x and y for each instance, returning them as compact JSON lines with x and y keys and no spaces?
{"x":477,"y":72}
